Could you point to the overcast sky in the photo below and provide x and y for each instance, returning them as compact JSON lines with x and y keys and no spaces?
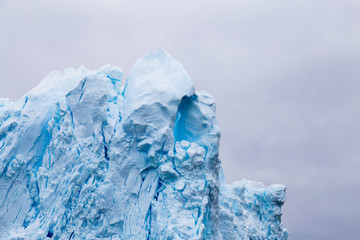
{"x":285,"y":76}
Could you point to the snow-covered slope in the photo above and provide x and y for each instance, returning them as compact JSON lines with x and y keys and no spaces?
{"x":83,"y":158}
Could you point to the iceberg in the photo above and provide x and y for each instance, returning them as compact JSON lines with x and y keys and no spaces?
{"x":86,"y":156}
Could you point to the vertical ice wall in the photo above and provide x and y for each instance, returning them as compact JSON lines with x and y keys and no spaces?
{"x":83,"y":158}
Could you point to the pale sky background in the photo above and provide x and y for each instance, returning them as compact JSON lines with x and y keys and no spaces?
{"x":285,"y":76}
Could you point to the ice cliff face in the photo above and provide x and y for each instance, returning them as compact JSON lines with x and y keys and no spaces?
{"x":82,"y":157}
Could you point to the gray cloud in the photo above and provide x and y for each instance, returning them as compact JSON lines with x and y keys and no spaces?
{"x":285,"y":76}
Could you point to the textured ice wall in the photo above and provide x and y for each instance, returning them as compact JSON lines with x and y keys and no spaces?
{"x":83,"y":158}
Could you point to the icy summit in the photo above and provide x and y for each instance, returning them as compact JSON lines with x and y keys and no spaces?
{"x":83,"y":156}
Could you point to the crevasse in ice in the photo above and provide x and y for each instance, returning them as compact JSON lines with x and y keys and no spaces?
{"x":83,"y":157}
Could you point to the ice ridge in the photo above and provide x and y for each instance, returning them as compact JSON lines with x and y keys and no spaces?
{"x":84,"y":157}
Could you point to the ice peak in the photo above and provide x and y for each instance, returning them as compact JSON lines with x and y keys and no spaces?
{"x":157,"y":77}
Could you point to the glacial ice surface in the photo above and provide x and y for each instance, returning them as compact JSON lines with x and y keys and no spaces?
{"x":84,"y":157}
